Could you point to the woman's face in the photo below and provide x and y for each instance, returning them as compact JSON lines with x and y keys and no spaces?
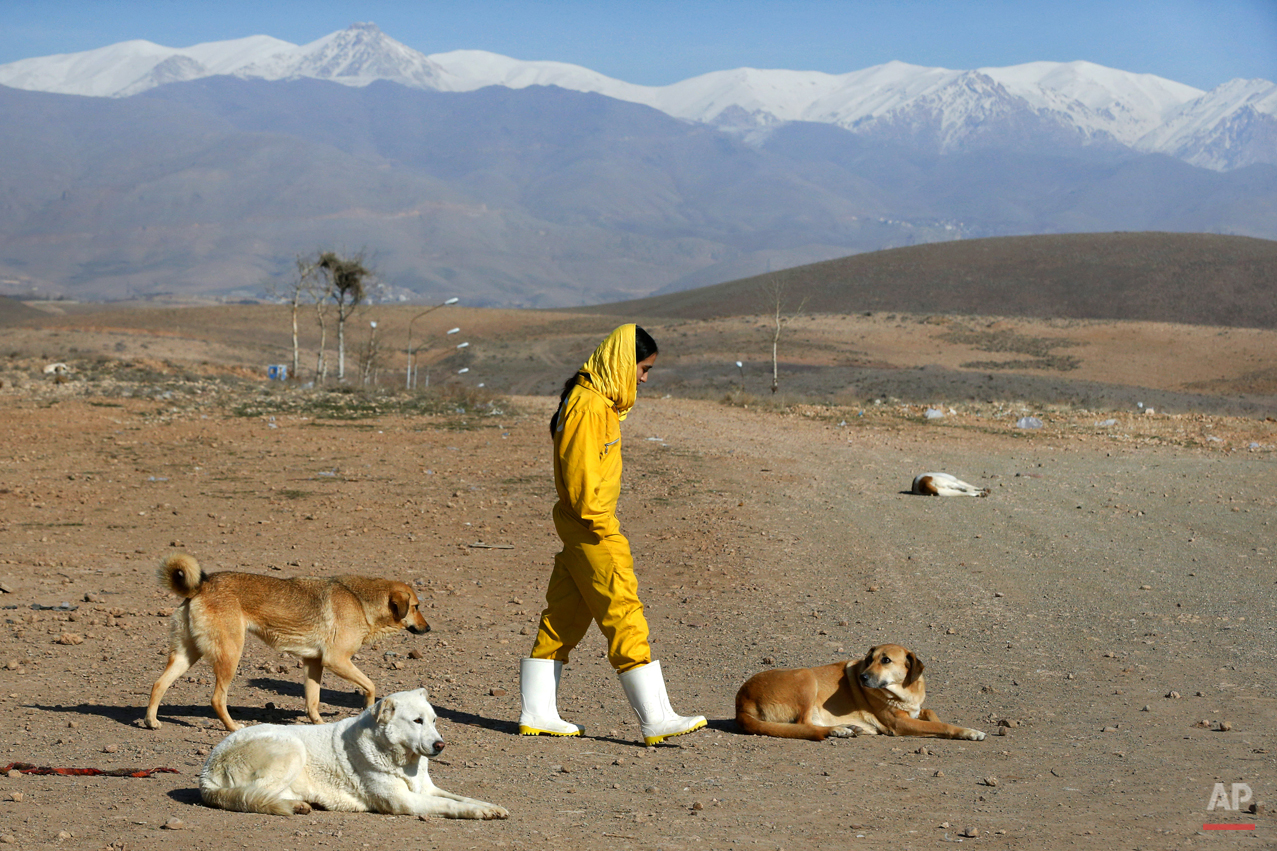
{"x":644,"y":367}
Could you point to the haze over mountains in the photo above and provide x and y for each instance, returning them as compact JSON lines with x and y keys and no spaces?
{"x":139,"y":169}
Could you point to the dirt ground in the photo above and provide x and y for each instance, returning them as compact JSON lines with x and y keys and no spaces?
{"x":1109,"y":609}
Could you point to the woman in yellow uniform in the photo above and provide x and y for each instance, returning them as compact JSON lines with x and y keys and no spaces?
{"x":593,"y":577}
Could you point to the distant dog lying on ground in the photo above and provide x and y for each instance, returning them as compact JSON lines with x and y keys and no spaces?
{"x":323,"y":621}
{"x":879,"y":694}
{"x":943,"y":484}
{"x":376,"y":761}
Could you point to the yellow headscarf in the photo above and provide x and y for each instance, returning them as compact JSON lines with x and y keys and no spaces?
{"x":612,"y":370}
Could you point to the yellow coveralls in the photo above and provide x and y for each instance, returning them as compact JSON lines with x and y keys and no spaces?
{"x":593,"y":577}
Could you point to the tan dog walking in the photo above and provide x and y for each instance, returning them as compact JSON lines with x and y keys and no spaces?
{"x":322,"y":621}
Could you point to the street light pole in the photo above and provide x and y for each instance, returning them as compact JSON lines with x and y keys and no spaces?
{"x":411,"y":353}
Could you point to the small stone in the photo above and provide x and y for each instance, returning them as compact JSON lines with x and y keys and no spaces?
{"x":1201,"y":694}
{"x":8,"y":839}
{"x":497,"y":692}
{"x":1146,"y":587}
{"x":1111,"y":729}
{"x":990,"y":781}
{"x":1173,"y":695}
{"x":63,"y":836}
{"x":938,"y":773}
{"x":1221,"y":726}
{"x":768,"y":660}
{"x":950,"y":631}
{"x":90,"y":597}
{"x":620,"y":760}
{"x":649,"y":789}
{"x":945,"y":825}
{"x":110,"y":749}
{"x":16,"y":797}
{"x":697,"y":805}
{"x":174,"y":824}
{"x":1002,"y":731}
{"x":971,"y":832}
{"x":415,"y":654}
{"x":1147,"y":708}
{"x":70,"y":638}
{"x":923,"y":750}
{"x":14,"y":774}
{"x":74,"y":725}
{"x":872,"y":588}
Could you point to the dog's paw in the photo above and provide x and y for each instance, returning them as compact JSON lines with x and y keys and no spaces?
{"x":844,"y":732}
{"x":972,"y":735}
{"x":152,"y":723}
{"x":491,"y":811}
{"x":301,"y":808}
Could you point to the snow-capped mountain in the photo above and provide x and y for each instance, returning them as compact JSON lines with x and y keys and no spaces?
{"x":130,"y":67}
{"x":1078,"y":103}
{"x":355,"y":56}
{"x":1124,"y":105}
{"x":1226,"y":128}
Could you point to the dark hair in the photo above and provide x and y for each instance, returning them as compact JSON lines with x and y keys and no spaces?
{"x":644,"y":347}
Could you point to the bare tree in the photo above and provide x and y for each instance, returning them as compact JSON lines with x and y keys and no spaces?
{"x":296,"y":290}
{"x":774,"y":291}
{"x":345,"y":279}
{"x":371,"y":356}
{"x":321,"y":355}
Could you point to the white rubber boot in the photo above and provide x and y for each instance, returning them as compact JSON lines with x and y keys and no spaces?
{"x":645,"y":688}
{"x":539,"y":689}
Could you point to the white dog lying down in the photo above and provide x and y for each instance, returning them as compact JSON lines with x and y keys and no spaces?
{"x":943,"y":484}
{"x":376,"y":761}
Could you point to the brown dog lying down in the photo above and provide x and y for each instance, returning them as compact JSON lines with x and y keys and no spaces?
{"x":323,"y":621}
{"x":879,"y":694}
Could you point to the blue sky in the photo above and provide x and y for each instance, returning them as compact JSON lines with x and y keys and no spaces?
{"x":1199,"y":42}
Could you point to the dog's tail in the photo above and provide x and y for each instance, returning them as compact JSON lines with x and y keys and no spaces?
{"x":182,"y":574}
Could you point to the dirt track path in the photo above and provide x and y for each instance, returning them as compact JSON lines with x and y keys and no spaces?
{"x":761,"y":540}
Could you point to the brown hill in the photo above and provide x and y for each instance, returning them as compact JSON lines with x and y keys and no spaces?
{"x":13,"y":312}
{"x":934,"y":324}
{"x":1197,"y":279}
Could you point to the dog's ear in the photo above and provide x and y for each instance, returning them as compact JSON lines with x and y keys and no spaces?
{"x":854,"y":666}
{"x":400,"y":603}
{"x":384,"y":710}
{"x":915,"y":668}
